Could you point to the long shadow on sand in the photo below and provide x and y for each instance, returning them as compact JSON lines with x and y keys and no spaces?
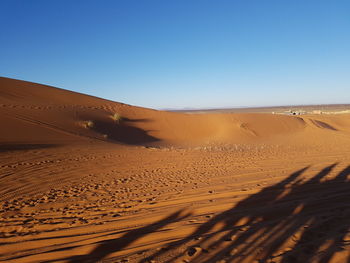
{"x":109,"y":246}
{"x":295,"y":220}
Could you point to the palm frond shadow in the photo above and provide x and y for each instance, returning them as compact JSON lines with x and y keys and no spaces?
{"x":294,"y":220}
{"x":107,"y":247}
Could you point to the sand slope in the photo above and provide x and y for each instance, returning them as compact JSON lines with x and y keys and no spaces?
{"x":78,"y":186}
{"x":54,"y":115}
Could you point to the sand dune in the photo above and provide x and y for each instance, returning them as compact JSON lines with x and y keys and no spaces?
{"x":80,"y":184}
{"x":53,"y":115}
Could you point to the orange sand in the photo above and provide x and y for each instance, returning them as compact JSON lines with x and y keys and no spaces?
{"x":77,"y":185}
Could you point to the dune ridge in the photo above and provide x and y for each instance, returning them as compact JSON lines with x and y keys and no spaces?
{"x":51,"y":115}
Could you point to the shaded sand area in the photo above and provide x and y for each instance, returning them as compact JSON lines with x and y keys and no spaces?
{"x":84,"y":179}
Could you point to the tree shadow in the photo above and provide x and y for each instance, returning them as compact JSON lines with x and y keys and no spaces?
{"x":294,"y":220}
{"x":110,"y":246}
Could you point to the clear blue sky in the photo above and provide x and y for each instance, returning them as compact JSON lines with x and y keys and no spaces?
{"x":182,"y":53}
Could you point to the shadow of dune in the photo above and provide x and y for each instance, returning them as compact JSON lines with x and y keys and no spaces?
{"x":123,"y":132}
{"x":136,"y":120}
{"x":23,"y":147}
{"x":323,"y":125}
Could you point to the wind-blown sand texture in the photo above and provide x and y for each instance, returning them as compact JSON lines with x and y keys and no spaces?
{"x":78,"y":184}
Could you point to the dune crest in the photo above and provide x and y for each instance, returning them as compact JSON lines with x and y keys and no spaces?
{"x":52,"y":115}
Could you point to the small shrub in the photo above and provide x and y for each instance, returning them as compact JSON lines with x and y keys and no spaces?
{"x":117,"y":117}
{"x":89,"y":124}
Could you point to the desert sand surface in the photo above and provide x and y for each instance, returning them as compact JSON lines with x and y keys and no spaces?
{"x":83,"y":179}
